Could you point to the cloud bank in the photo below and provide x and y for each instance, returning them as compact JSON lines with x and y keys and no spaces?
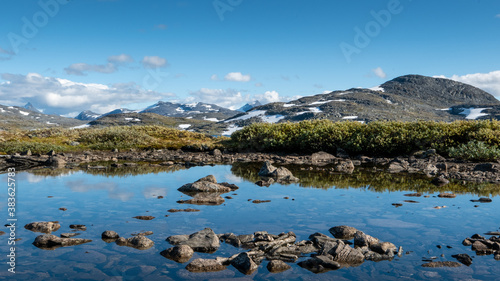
{"x":489,"y":82}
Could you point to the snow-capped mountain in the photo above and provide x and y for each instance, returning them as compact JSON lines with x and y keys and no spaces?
{"x":87,"y":115}
{"x":249,"y":106}
{"x":198,"y":110}
{"x":22,"y":118}
{"x":30,"y":106}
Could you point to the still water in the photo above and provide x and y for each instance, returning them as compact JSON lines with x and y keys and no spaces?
{"x":108,"y":200}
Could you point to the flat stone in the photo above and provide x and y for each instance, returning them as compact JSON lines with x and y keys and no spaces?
{"x":205,"y":265}
{"x":276,"y":266}
{"x":49,"y":241}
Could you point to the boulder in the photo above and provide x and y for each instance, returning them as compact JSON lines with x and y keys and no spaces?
{"x":244,"y":264}
{"x":345,"y":254}
{"x":204,"y":198}
{"x":180,"y":254}
{"x":276,"y":266}
{"x":205,"y":241}
{"x":361,"y":239}
{"x":139,"y":242}
{"x":343,"y":232}
{"x":463,"y":258}
{"x":109,"y":234}
{"x":384,"y":248}
{"x":322,"y":158}
{"x":44,"y":226}
{"x":49,"y":241}
{"x":267,"y":169}
{"x":206,"y":184}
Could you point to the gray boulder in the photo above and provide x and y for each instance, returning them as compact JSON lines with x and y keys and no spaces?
{"x":343,"y":232}
{"x":139,"y":242}
{"x":205,"y":241}
{"x":180,"y":254}
{"x":44,"y":226}
{"x":49,"y":241}
{"x":205,"y":265}
{"x":276,"y":266}
{"x":244,"y":264}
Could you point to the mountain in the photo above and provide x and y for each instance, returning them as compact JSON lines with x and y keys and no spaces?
{"x":30,"y":107}
{"x":249,"y":106}
{"x":87,"y":115}
{"x":405,"y":98}
{"x":14,"y":117}
{"x":198,"y":110}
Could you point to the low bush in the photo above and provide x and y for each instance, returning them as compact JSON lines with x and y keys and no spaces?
{"x":475,"y":150}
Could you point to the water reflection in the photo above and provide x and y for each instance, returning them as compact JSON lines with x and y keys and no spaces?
{"x":369,"y":180}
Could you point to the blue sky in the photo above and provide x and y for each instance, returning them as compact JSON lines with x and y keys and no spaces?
{"x":67,"y":56}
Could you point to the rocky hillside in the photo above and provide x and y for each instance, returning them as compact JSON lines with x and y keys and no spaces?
{"x":14,"y":117}
{"x":199,"y":110}
{"x":406,"y":98}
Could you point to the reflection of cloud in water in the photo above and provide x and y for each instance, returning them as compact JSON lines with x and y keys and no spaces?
{"x":231,"y":178}
{"x":153,"y":192}
{"x":114,"y":192}
{"x":392,"y":223}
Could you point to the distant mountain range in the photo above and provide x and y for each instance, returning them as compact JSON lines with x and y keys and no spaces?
{"x":405,"y":98}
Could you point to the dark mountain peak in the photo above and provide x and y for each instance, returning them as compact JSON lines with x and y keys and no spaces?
{"x":440,"y":92}
{"x":249,"y":106}
{"x":30,"y":106}
{"x":87,"y":115}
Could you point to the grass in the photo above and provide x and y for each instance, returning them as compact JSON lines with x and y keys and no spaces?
{"x":119,"y":137}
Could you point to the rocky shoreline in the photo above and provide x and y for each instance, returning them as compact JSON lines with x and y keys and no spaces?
{"x":436,"y":167}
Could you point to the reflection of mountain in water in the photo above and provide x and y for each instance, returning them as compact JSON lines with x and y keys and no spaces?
{"x":372,"y":181}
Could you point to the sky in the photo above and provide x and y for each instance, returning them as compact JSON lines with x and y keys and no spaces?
{"x":68,"y":56}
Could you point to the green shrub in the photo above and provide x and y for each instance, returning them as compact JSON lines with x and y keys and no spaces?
{"x":475,"y":150}
{"x":387,"y":138}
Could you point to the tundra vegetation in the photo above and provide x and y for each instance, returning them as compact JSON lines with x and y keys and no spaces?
{"x":467,"y":140}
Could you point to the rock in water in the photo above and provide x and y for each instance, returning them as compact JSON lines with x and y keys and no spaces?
{"x":50,"y":242}
{"x":139,"y":242}
{"x":244,"y":264}
{"x":463,"y":258}
{"x":276,"y":266}
{"x":44,"y":227}
{"x":343,"y":232}
{"x":180,"y":254}
{"x":205,"y":241}
{"x":442,"y":264}
{"x":205,"y":265}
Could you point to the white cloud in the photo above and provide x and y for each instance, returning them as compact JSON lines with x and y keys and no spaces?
{"x":233,"y":99}
{"x":153,"y":62}
{"x":81,"y":68}
{"x":229,"y":98}
{"x":379,"y":72}
{"x":214,"y":77}
{"x":123,"y":58}
{"x":489,"y":82}
{"x":62,"y":96}
{"x":237,"y":77}
{"x":269,"y":96}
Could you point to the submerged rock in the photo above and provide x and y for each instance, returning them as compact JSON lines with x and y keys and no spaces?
{"x":44,"y":227}
{"x":50,"y":242}
{"x":144,"y":218}
{"x":204,"y":198}
{"x":434,"y":264}
{"x":109,"y":235}
{"x":78,"y":227}
{"x":320,"y":264}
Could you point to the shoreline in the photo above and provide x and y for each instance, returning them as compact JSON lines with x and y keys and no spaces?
{"x":439,"y":169}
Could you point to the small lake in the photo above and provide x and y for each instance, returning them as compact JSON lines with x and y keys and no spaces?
{"x":108,"y":200}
